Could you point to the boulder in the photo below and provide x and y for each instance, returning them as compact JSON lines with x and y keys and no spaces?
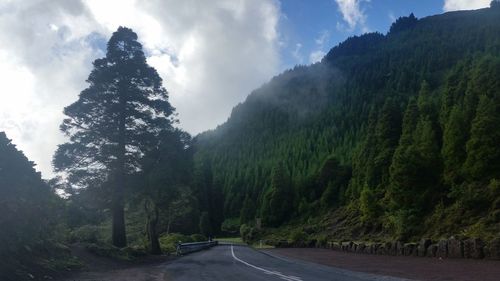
{"x":423,"y":246}
{"x":361,"y":248}
{"x":401,"y":249}
{"x":432,"y":250}
{"x":409,"y":249}
{"x":442,"y":250}
{"x":474,"y":248}
{"x":282,"y":244}
{"x":369,"y":249}
{"x":455,"y":248}
{"x":494,"y":249}
{"x":346,"y":246}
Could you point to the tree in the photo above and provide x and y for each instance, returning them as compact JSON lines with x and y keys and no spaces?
{"x":278,"y":200}
{"x":453,"y":151}
{"x":483,"y":155}
{"x":164,"y":181}
{"x":247,"y":213}
{"x":113,"y":123}
{"x":205,"y":227}
{"x":28,"y":213}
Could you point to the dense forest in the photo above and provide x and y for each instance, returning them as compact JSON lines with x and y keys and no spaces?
{"x":389,"y":136}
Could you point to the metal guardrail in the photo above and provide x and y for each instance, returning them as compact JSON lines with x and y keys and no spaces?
{"x":185,"y":248}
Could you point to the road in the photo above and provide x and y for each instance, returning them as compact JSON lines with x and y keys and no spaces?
{"x":242,"y":263}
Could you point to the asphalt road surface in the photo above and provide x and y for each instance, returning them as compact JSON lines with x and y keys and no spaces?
{"x":242,"y":263}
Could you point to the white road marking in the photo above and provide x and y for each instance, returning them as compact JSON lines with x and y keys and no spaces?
{"x":276,"y":273}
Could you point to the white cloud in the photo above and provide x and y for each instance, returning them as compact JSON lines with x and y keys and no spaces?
{"x":296,"y":53}
{"x":352,"y":14}
{"x":453,"y":5}
{"x":211,"y":54}
{"x":316,"y":56}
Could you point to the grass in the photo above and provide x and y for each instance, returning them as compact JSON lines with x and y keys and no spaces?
{"x":236,"y":240}
{"x":261,"y":245}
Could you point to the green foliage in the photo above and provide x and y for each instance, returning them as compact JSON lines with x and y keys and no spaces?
{"x":113,"y":123}
{"x":30,"y":216}
{"x":386,"y":126}
{"x":110,"y":251}
{"x":198,"y":238}
{"x":483,"y":157}
{"x":278,"y":200}
{"x":403,"y":24}
{"x":298,"y":236}
{"x":247,"y":213}
{"x":205,"y":227}
{"x":169,"y":242}
{"x":231,"y":225}
{"x":248,"y":233}
{"x":86,"y":233}
{"x":369,"y":207}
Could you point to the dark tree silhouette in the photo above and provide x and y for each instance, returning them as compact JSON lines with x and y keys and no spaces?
{"x":113,"y":123}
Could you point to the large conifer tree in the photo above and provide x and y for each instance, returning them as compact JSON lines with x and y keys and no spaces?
{"x":114,"y":121}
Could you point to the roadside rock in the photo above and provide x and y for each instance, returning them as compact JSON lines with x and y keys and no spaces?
{"x":432,"y":250}
{"x":361,"y":248}
{"x":442,"y":250}
{"x":494,"y":249}
{"x":423,"y":246}
{"x":409,"y":249}
{"x":474,"y":248}
{"x":401,"y":249}
{"x":455,"y":248}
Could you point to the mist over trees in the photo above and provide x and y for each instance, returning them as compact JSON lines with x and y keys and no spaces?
{"x":390,"y":136}
{"x":407,"y":130}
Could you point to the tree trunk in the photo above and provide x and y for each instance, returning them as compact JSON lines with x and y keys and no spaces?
{"x":153,"y":232}
{"x":151,"y":229}
{"x":118,"y":231}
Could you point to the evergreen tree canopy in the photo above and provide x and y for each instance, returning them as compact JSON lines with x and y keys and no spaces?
{"x":114,"y":122}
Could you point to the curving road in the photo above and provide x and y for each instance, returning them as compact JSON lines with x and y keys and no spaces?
{"x":242,"y":263}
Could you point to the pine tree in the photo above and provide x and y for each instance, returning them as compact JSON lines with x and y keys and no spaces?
{"x":483,"y":155}
{"x":113,"y":123}
{"x":453,"y":151}
{"x":247,"y":213}
{"x":387,"y":134}
{"x":278,"y":200}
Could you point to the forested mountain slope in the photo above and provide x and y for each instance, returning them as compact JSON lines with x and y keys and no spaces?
{"x":397,"y":134}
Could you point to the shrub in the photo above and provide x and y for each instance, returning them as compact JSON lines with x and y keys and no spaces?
{"x":231,"y":225}
{"x":248,"y":233}
{"x":198,"y":238}
{"x":168,"y":242}
{"x":86,"y":233}
{"x":297,"y":235}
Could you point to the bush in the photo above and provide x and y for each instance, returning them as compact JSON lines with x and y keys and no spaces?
{"x":198,"y":238}
{"x":168,"y":242}
{"x":248,"y":233}
{"x":231,"y":225}
{"x":110,"y":251}
{"x":298,"y":236}
{"x":86,"y":234}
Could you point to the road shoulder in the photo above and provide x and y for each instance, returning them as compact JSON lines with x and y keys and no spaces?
{"x":404,"y":267}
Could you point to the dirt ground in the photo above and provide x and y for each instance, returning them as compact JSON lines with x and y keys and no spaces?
{"x":431,"y":269}
{"x":105,"y":269}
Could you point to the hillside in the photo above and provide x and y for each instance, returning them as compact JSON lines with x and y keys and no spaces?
{"x":391,"y":135}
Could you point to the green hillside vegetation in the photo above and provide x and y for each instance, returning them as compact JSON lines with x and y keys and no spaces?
{"x":389,"y":136}
{"x":30,"y":224}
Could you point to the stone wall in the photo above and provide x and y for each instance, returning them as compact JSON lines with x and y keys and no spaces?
{"x":472,"y":248}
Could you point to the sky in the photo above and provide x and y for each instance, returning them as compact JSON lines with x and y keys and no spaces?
{"x":210,"y":54}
